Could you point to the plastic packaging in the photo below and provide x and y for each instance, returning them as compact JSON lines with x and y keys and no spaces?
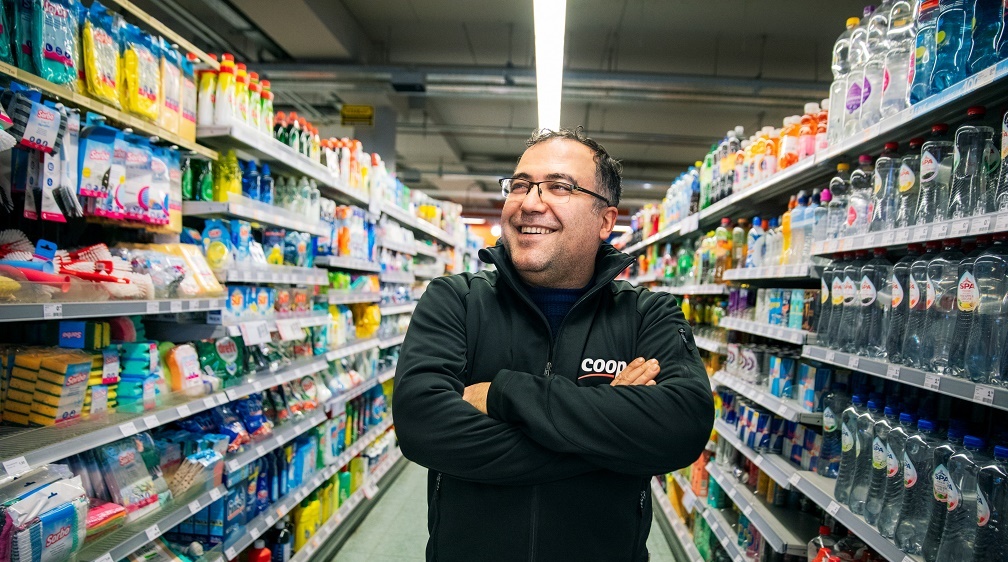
{"x":141,"y":73}
{"x":170,"y":98}
{"x":188,"y":115}
{"x":54,"y":41}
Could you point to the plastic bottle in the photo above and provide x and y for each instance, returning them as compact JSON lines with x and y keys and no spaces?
{"x":863,"y":443}
{"x":992,"y":506}
{"x":935,"y":176}
{"x":848,"y":334}
{"x":224,"y":99}
{"x":839,"y":188}
{"x":837,"y":294}
{"x":808,"y":224}
{"x":880,"y":464}
{"x":250,"y":182}
{"x":265,"y":124}
{"x":820,"y":217}
{"x":206,"y":96}
{"x":898,"y":58}
{"x":807,"y":128}
{"x":885,"y":189}
{"x":940,"y":479}
{"x":785,"y":251}
{"x":967,"y":297}
{"x":266,"y":187}
{"x":280,"y":127}
{"x":859,"y":203}
{"x":900,"y":307}
{"x":834,"y":404}
{"x":959,"y":535}
{"x":293,"y":131}
{"x":825,"y":302}
{"x":790,"y":143}
{"x":985,"y":344}
{"x":840,"y":67}
{"x":875,"y":79}
{"x":924,"y":56}
{"x":917,"y":494}
{"x":915,"y":344}
{"x":858,"y":57}
{"x":974,"y":168}
{"x":756,"y":244}
{"x":953,"y":42}
{"x":1001,"y":193}
{"x":987,"y":29}
{"x":908,"y":185}
{"x":892,"y":501}
{"x":307,"y":523}
{"x":739,"y":245}
{"x":254,"y":101}
{"x":282,"y":543}
{"x":943,"y":279}
{"x":875,"y":294}
{"x":770,"y":154}
{"x":849,"y":451}
{"x":259,"y":552}
{"x":822,"y":126}
{"x":241,"y":95}
{"x":851,"y":548}
{"x":823,"y":540}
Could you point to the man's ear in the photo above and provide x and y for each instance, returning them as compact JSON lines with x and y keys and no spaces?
{"x":609,"y":216}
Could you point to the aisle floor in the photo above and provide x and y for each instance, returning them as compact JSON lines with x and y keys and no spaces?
{"x":403,"y":508}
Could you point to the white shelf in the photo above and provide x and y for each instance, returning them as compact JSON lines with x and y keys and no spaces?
{"x":773,"y":272}
{"x":393,"y":309}
{"x":426,"y":250}
{"x":351,"y":349}
{"x":705,"y":289}
{"x":302,"y":320}
{"x":386,"y":375}
{"x":678,"y":527}
{"x":776,"y":467}
{"x":982,"y":224}
{"x":350,"y":297}
{"x":284,"y":274}
{"x":642,"y":279}
{"x":403,"y":277}
{"x":416,"y":224}
{"x":241,"y":207}
{"x":409,"y":248}
{"x":994,"y":396}
{"x":664,"y":233}
{"x":725,"y":533}
{"x":343,"y":262}
{"x":785,"y":408}
{"x":31,"y":312}
{"x":282,"y":434}
{"x":797,"y":337}
{"x":714,"y":346}
{"x":391,"y":342}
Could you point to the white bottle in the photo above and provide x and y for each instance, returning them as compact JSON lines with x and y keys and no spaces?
{"x":875,"y":82}
{"x":838,"y":89}
{"x":856,"y":77}
{"x":756,"y":244}
{"x":901,"y":42}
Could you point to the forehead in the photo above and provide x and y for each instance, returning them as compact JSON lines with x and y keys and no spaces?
{"x":558,"y":156}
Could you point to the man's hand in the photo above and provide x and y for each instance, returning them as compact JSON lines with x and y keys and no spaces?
{"x":476,"y":395}
{"x":637,"y":372}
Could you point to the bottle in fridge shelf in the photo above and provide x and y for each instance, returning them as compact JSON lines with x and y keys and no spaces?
{"x":839,"y":188}
{"x":859,"y":202}
{"x":924,"y":56}
{"x":826,"y":281}
{"x":241,"y":93}
{"x":898,"y":58}
{"x":739,"y":255}
{"x":992,"y":477}
{"x":987,"y":30}
{"x":940,"y":480}
{"x":915,"y":340}
{"x":911,"y":527}
{"x":942,"y":283}
{"x":953,"y":41}
{"x":876,"y":305}
{"x":849,"y":451}
{"x":892,"y":498}
{"x":830,"y":334}
{"x":975,"y":168}
{"x":875,"y":80}
{"x":967,"y":297}
{"x":802,"y":235}
{"x":790,"y":142}
{"x":807,"y":129}
{"x":822,"y":126}
{"x":984,"y":358}
{"x":755,"y":244}
{"x":937,"y":157}
{"x":880,"y":464}
{"x":834,"y":405}
{"x":900,"y":308}
{"x":856,"y":85}
{"x":266,"y":114}
{"x":840,"y":67}
{"x":206,"y":95}
{"x":908,"y":185}
{"x":849,"y":330}
{"x":255,"y":102}
{"x":959,"y":535}
{"x":785,"y":233}
{"x":885,"y":189}
{"x":820,"y":219}
{"x":864,"y":466}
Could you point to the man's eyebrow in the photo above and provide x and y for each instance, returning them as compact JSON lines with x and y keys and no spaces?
{"x":550,"y":176}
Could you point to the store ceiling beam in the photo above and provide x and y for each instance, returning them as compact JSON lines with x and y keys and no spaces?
{"x":423,"y":129}
{"x":309,"y":28}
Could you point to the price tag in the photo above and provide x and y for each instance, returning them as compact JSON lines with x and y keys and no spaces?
{"x":842,"y":244}
{"x":932,"y":381}
{"x":52,"y":311}
{"x":230,"y":553}
{"x":1001,"y":223}
{"x":960,"y":227}
{"x":872,"y":239}
{"x":209,"y":402}
{"x":232,"y":394}
{"x":107,"y":557}
{"x":175,"y":306}
{"x":782,"y":410}
{"x":152,"y":532}
{"x":255,"y":333}
{"x":831,"y":355}
{"x":903,"y":236}
{"x":257,"y":386}
{"x":16,"y":466}
{"x":732,"y":492}
{"x":853,"y":361}
{"x":260,"y":450}
{"x":153,"y":307}
{"x":215,"y":494}
{"x":893,"y":372}
{"x":920,"y":233}
{"x":315,"y":542}
{"x":980,"y":225}
{"x":183,"y":410}
{"x":983,"y":394}
{"x":888,"y":237}
{"x":833,"y":508}
{"x":908,"y":559}
{"x":940,"y":230}
{"x":691,"y":224}
{"x":290,"y":329}
{"x":985,"y":76}
{"x":794,"y":480}
{"x":151,"y":422}
{"x":270,"y":521}
{"x":255,"y":532}
{"x":128,"y":429}
{"x":194,"y":506}
{"x":759,"y":460}
{"x":233,"y":465}
{"x":747,"y":511}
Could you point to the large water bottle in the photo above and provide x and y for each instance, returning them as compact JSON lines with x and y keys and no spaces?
{"x":974,"y":166}
{"x":900,"y":307}
{"x":863,"y":441}
{"x":915,"y":338}
{"x":838,"y":89}
{"x":918,"y":459}
{"x":848,"y":450}
{"x":834,"y":404}
{"x":885,"y":189}
{"x":923,"y":61}
{"x":839,"y":187}
{"x":992,"y":508}
{"x":940,"y":479}
{"x":875,"y":80}
{"x":892,"y":500}
{"x":837,"y":295}
{"x":986,"y":339}
{"x":875,"y":294}
{"x":880,"y":464}
{"x":959,"y":536}
{"x":987,"y":30}
{"x":953,"y":41}
{"x":825,"y":302}
{"x":909,"y":185}
{"x":943,"y":281}
{"x":859,"y":203}
{"x":937,"y":156}
{"x":1001,"y":195}
{"x":899,"y":50}
{"x":850,"y":319}
{"x":858,"y":57}
{"x":820,"y":217}
{"x":967,"y":299}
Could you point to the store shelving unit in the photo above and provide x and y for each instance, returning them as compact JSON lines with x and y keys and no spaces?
{"x":776,"y":467}
{"x":241,"y":207}
{"x":282,"y":434}
{"x":31,"y":312}
{"x":783,"y":407}
{"x":705,"y":289}
{"x":392,"y":341}
{"x":408,"y":248}
{"x":678,"y":527}
{"x":789,"y":335}
{"x":286,"y":274}
{"x":393,"y":309}
{"x":936,"y":231}
{"x":714,"y":346}
{"x":403,"y":277}
{"x":426,"y":250}
{"x":416,"y":224}
{"x":724,"y":531}
{"x":343,"y":262}
{"x":337,"y":402}
{"x":644,"y":279}
{"x":773,"y":273}
{"x":351,"y":349}
{"x":690,"y":500}
{"x":334,"y":296}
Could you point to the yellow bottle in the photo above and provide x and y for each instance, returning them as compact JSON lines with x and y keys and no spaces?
{"x":241,"y":93}
{"x":306,"y":521}
{"x":785,"y":256}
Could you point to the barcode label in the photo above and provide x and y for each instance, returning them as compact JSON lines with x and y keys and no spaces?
{"x":941,"y":230}
{"x":833,"y":508}
{"x":194,"y":506}
{"x":52,"y":311}
{"x":215,"y":494}
{"x":794,"y":480}
{"x":853,"y":361}
{"x":903,"y":236}
{"x":980,"y":225}
{"x":893,"y":372}
{"x":183,"y":410}
{"x":175,"y":306}
{"x":153,"y":307}
{"x":831,"y":356}
{"x":152,"y":532}
{"x":983,"y":394}
{"x":128,"y":429}
{"x":960,"y":228}
{"x":747,"y":511}
{"x":932,"y":381}
{"x":16,"y":466}
{"x":151,"y":422}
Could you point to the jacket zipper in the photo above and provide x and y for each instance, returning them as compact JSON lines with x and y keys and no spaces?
{"x":640,"y":519}
{"x":682,"y":334}
{"x":437,"y":515}
{"x":533,"y":523}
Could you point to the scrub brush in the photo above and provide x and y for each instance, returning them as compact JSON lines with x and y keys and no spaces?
{"x":13,"y":240}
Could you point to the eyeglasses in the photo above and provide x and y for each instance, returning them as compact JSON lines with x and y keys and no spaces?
{"x":550,"y":191}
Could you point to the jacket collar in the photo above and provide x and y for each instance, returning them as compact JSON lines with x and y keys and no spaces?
{"x":609,"y":262}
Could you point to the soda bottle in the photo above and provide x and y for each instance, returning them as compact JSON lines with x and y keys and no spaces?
{"x":859,"y":203}
{"x":953,"y":41}
{"x":785,"y":232}
{"x":885,"y":189}
{"x":807,"y":129}
{"x":864,"y":466}
{"x":959,"y":536}
{"x":880,"y":464}
{"x":942,"y":283}
{"x":838,"y":89}
{"x":923,"y":60}
{"x":892,"y":500}
{"x":875,"y":80}
{"x":899,"y":51}
{"x":992,"y":507}
{"x":834,"y":404}
{"x":790,"y":142}
{"x":825,"y":302}
{"x":986,"y":340}
{"x":967,"y":298}
{"x":975,"y":163}
{"x":848,"y":451}
{"x":935,"y":176}
{"x":918,"y":459}
{"x":850,"y":318}
{"x":875,"y":294}
{"x":756,"y":244}
{"x":909,"y":185}
{"x":858,"y":57}
{"x":832,"y":333}
{"x":900,"y":307}
{"x":987,"y":30}
{"x":839,"y":188}
{"x":940,"y":479}
{"x":915,"y":339}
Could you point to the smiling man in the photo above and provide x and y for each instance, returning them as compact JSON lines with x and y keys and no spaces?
{"x":544,"y":395}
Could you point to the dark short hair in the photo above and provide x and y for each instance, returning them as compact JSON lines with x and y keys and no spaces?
{"x":608,"y":170}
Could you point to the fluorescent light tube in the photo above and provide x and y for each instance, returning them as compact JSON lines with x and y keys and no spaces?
{"x":550,"y":24}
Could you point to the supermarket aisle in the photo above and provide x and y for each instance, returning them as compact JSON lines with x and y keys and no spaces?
{"x":404,"y":508}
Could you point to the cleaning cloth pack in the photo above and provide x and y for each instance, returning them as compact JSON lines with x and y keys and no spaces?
{"x":54,"y":41}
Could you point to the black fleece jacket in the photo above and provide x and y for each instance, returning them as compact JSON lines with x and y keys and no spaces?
{"x":560,"y":468}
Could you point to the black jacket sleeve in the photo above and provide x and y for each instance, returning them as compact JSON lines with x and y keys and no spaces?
{"x":628,"y":429}
{"x":437,"y":429}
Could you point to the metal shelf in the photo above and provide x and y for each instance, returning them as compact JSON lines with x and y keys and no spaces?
{"x":241,"y":207}
{"x":975,"y":226}
{"x":416,"y":224}
{"x":785,"y":408}
{"x":31,"y":312}
{"x":427,"y":250}
{"x":352,"y":349}
{"x":996,"y":397}
{"x":705,"y":289}
{"x":391,"y":342}
{"x":714,"y":346}
{"x":725,"y":532}
{"x":409,"y":248}
{"x":274,"y":274}
{"x":779,"y":469}
{"x":774,"y":272}
{"x":797,"y":337}
{"x":282,"y":435}
{"x":343,"y":262}
{"x":658,"y":237}
{"x":337,"y":403}
{"x":392,"y":309}
{"x":786,"y":531}
{"x":678,"y":527}
{"x":350,"y":297}
{"x":690,"y":500}
{"x":403,"y":277}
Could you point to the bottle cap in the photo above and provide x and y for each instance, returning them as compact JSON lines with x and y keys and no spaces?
{"x":803,"y":201}
{"x":892,"y":146}
{"x":856,"y":400}
{"x":725,"y":221}
{"x":872,"y":405}
{"x":976,"y":111}
{"x":824,"y":105}
{"x":865,"y":159}
{"x":868,"y":10}
{"x":756,"y":221}
{"x":973,"y":442}
{"x":826,"y":196}
{"x":925,"y":425}
{"x":889,"y":412}
{"x":906,"y":418}
{"x":824,"y":530}
{"x":817,"y":199}
{"x":879,"y":252}
{"x":279,"y":525}
{"x":843,"y":167}
{"x":1000,"y":452}
{"x":811,"y":108}
{"x":954,"y":432}
{"x":916,"y":142}
{"x":853,"y":22}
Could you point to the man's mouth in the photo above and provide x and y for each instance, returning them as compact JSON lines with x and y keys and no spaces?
{"x":536,"y":230}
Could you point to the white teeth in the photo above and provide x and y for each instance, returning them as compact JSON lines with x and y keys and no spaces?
{"x":535,"y":230}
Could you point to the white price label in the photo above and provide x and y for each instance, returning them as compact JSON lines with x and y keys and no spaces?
{"x":194,"y":506}
{"x":759,"y":460}
{"x":872,"y":239}
{"x":980,"y":225}
{"x":985,"y":76}
{"x":941,"y":230}
{"x":893,"y":372}
{"x":52,"y":311}
{"x":983,"y":394}
{"x":794,"y":480}
{"x":691,"y":224}
{"x":833,"y":508}
{"x":16,"y":466}
{"x":183,"y":410}
{"x":903,"y":236}
{"x":960,"y":227}
{"x":152,"y":532}
{"x":932,"y":381}
{"x":223,"y":398}
{"x":209,"y":402}
{"x":258,"y":386}
{"x":128,"y":429}
{"x":255,"y":532}
{"x":370,"y":490}
{"x":232,"y":394}
{"x":175,"y":306}
{"x":782,"y":410}
{"x":1001,"y":223}
{"x":151,"y":422}
{"x":831,"y":355}
{"x":888,"y":237}
{"x":215,"y":494}
{"x":153,"y":307}
{"x":107,"y":557}
{"x":853,"y":361}
{"x":260,"y":450}
{"x":920,"y":233}
{"x":732,"y":492}
{"x":254,"y":333}
{"x":747,"y":511}
{"x":842,"y":244}
{"x":270,"y":520}
{"x":290,"y":329}
{"x":230,"y":553}
{"x":233,"y":465}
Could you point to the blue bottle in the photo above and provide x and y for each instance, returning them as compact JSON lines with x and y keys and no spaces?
{"x":926,"y":14}
{"x":250,"y":181}
{"x":986,"y":32}
{"x":266,"y":185}
{"x":953,"y":42}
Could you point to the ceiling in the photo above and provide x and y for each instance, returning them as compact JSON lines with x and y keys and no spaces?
{"x":656,"y":81}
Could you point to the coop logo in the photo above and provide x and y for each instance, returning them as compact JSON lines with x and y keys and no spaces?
{"x":601,"y":368}
{"x":59,"y":535}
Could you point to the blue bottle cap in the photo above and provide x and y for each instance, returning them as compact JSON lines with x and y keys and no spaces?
{"x":906,"y":418}
{"x":925,"y":425}
{"x":973,"y":442}
{"x":1000,"y":453}
{"x":265,"y":169}
{"x":872,"y":405}
{"x":889,"y":412}
{"x":856,"y":399}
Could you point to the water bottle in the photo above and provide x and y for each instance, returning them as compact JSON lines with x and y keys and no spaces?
{"x":959,"y":536}
{"x":953,"y":41}
{"x":834,"y":404}
{"x":914,"y":341}
{"x":899,"y":50}
{"x":987,"y":30}
{"x":839,"y":187}
{"x":1001,"y":195}
{"x":756,"y":244}
{"x":858,"y":57}
{"x":943,"y":281}
{"x":880,"y":464}
{"x":266,"y":186}
{"x":812,"y":218}
{"x":967,"y":299}
{"x":875,"y":80}
{"x":837,"y":295}
{"x":892,"y":500}
{"x":825,"y":302}
{"x":923,"y":61}
{"x":838,"y":89}
{"x":864,"y":466}
{"x":875,"y":294}
{"x":850,"y":318}
{"x":992,"y":508}
{"x":986,"y":340}
{"x":796,"y":245}
{"x":885,"y":189}
{"x":935,"y":175}
{"x":859,"y":202}
{"x":975,"y":163}
{"x":909,"y":185}
{"x":848,"y":450}
{"x":911,"y":528}
{"x":900,"y":307}
{"x":940,"y":479}
{"x":820,"y":216}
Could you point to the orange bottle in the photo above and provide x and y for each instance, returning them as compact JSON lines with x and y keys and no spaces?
{"x":822,"y":119}
{"x":787,"y":153}
{"x":770,"y":153}
{"x":807,"y":131}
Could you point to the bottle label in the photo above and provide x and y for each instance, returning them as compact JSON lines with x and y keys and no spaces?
{"x":897,"y":292}
{"x":892,"y":463}
{"x":866,"y":89}
{"x":828,"y":420}
{"x":983,"y":508}
{"x":851,"y":215}
{"x":837,"y":291}
{"x":879,"y":458}
{"x":823,"y":292}
{"x":1004,"y":137}
{"x":877,"y":182}
{"x":850,"y":290}
{"x":914,"y":292}
{"x":846,"y":439}
{"x":954,"y":497}
{"x":930,"y":295}
{"x":940,"y":483}
{"x":909,"y":472}
{"x":854,"y":98}
{"x":907,"y":178}
{"x":929,"y":167}
{"x":868,"y":291}
{"x":967,"y":295}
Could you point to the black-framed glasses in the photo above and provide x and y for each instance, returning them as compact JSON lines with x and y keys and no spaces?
{"x":550,"y":191}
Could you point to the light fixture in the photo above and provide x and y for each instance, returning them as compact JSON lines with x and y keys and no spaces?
{"x":647,"y":185}
{"x":621,"y":228}
{"x":495,"y":231}
{"x":550,"y":23}
{"x":473,"y":220}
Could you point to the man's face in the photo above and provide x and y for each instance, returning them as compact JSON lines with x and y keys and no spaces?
{"x":554,"y":245}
